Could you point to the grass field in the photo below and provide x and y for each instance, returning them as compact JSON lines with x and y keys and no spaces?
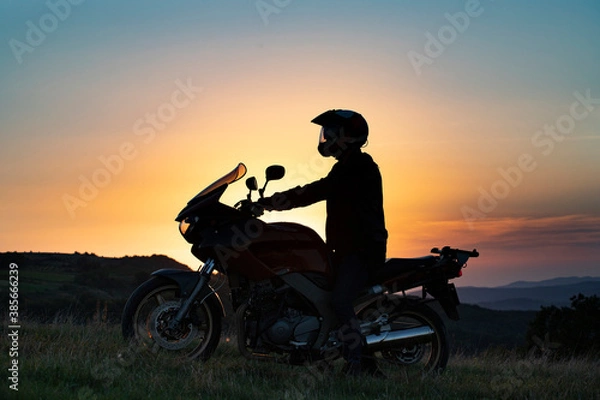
{"x":68,"y":361}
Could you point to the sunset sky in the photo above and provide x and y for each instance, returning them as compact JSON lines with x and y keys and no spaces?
{"x":484,"y":120}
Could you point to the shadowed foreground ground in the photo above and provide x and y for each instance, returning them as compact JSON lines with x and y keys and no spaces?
{"x":70,"y":361}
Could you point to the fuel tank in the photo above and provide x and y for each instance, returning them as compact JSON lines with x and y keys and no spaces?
{"x":287,"y":247}
{"x":259,"y":250}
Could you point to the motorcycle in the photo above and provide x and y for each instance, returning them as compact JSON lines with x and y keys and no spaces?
{"x":279,"y":277}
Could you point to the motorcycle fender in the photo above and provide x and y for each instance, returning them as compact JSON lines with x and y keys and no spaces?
{"x":447,"y":296}
{"x":187,"y":280}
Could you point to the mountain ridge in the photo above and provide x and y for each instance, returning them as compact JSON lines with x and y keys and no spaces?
{"x":530,"y":297}
{"x":558,"y":281}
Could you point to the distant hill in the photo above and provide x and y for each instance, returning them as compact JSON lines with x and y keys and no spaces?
{"x":530,"y":295}
{"x":82,"y":285}
{"x":572,"y":280}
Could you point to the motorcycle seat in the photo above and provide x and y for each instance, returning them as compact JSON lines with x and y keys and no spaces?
{"x":394,"y":267}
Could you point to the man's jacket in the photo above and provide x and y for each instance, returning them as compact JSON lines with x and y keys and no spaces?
{"x":354,"y":195}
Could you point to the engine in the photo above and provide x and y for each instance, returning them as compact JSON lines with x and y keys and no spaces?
{"x":293,"y":328}
{"x":278,"y":319}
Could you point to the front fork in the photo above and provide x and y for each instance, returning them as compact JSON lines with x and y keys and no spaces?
{"x":205,"y":273}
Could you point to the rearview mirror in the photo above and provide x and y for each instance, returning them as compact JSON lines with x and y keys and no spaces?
{"x":251,"y":183}
{"x":275,"y":172}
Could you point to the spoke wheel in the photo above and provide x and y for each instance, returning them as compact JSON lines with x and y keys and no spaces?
{"x":149,"y":312}
{"x":414,"y":358}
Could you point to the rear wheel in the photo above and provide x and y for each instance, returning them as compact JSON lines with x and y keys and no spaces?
{"x":414,"y":357}
{"x":154,"y":304}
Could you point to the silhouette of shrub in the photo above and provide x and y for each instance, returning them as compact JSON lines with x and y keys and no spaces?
{"x":567,"y":331}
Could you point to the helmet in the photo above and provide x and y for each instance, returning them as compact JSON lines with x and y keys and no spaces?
{"x":341,"y":130}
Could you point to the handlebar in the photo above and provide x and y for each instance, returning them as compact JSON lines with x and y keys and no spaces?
{"x":447,"y":250}
{"x":250,"y":207}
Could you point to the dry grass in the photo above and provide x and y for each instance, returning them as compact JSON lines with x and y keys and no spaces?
{"x":68,"y":361}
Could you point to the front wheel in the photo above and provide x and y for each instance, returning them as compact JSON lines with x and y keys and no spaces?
{"x":154,"y":304}
{"x":414,"y":357}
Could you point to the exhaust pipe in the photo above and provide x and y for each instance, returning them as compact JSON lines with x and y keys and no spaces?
{"x":389,"y":338}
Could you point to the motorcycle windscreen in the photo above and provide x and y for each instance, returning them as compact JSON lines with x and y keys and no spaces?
{"x":236,"y":174}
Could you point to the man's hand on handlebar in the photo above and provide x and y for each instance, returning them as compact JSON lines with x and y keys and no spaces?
{"x":250,"y":207}
{"x":266,"y":203}
{"x":258,"y":207}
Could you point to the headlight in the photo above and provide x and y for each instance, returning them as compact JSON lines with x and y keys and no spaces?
{"x":187,"y":224}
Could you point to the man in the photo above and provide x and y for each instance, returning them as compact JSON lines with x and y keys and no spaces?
{"x":355,"y":226}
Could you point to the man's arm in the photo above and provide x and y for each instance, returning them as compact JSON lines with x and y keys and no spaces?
{"x":300,"y":196}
